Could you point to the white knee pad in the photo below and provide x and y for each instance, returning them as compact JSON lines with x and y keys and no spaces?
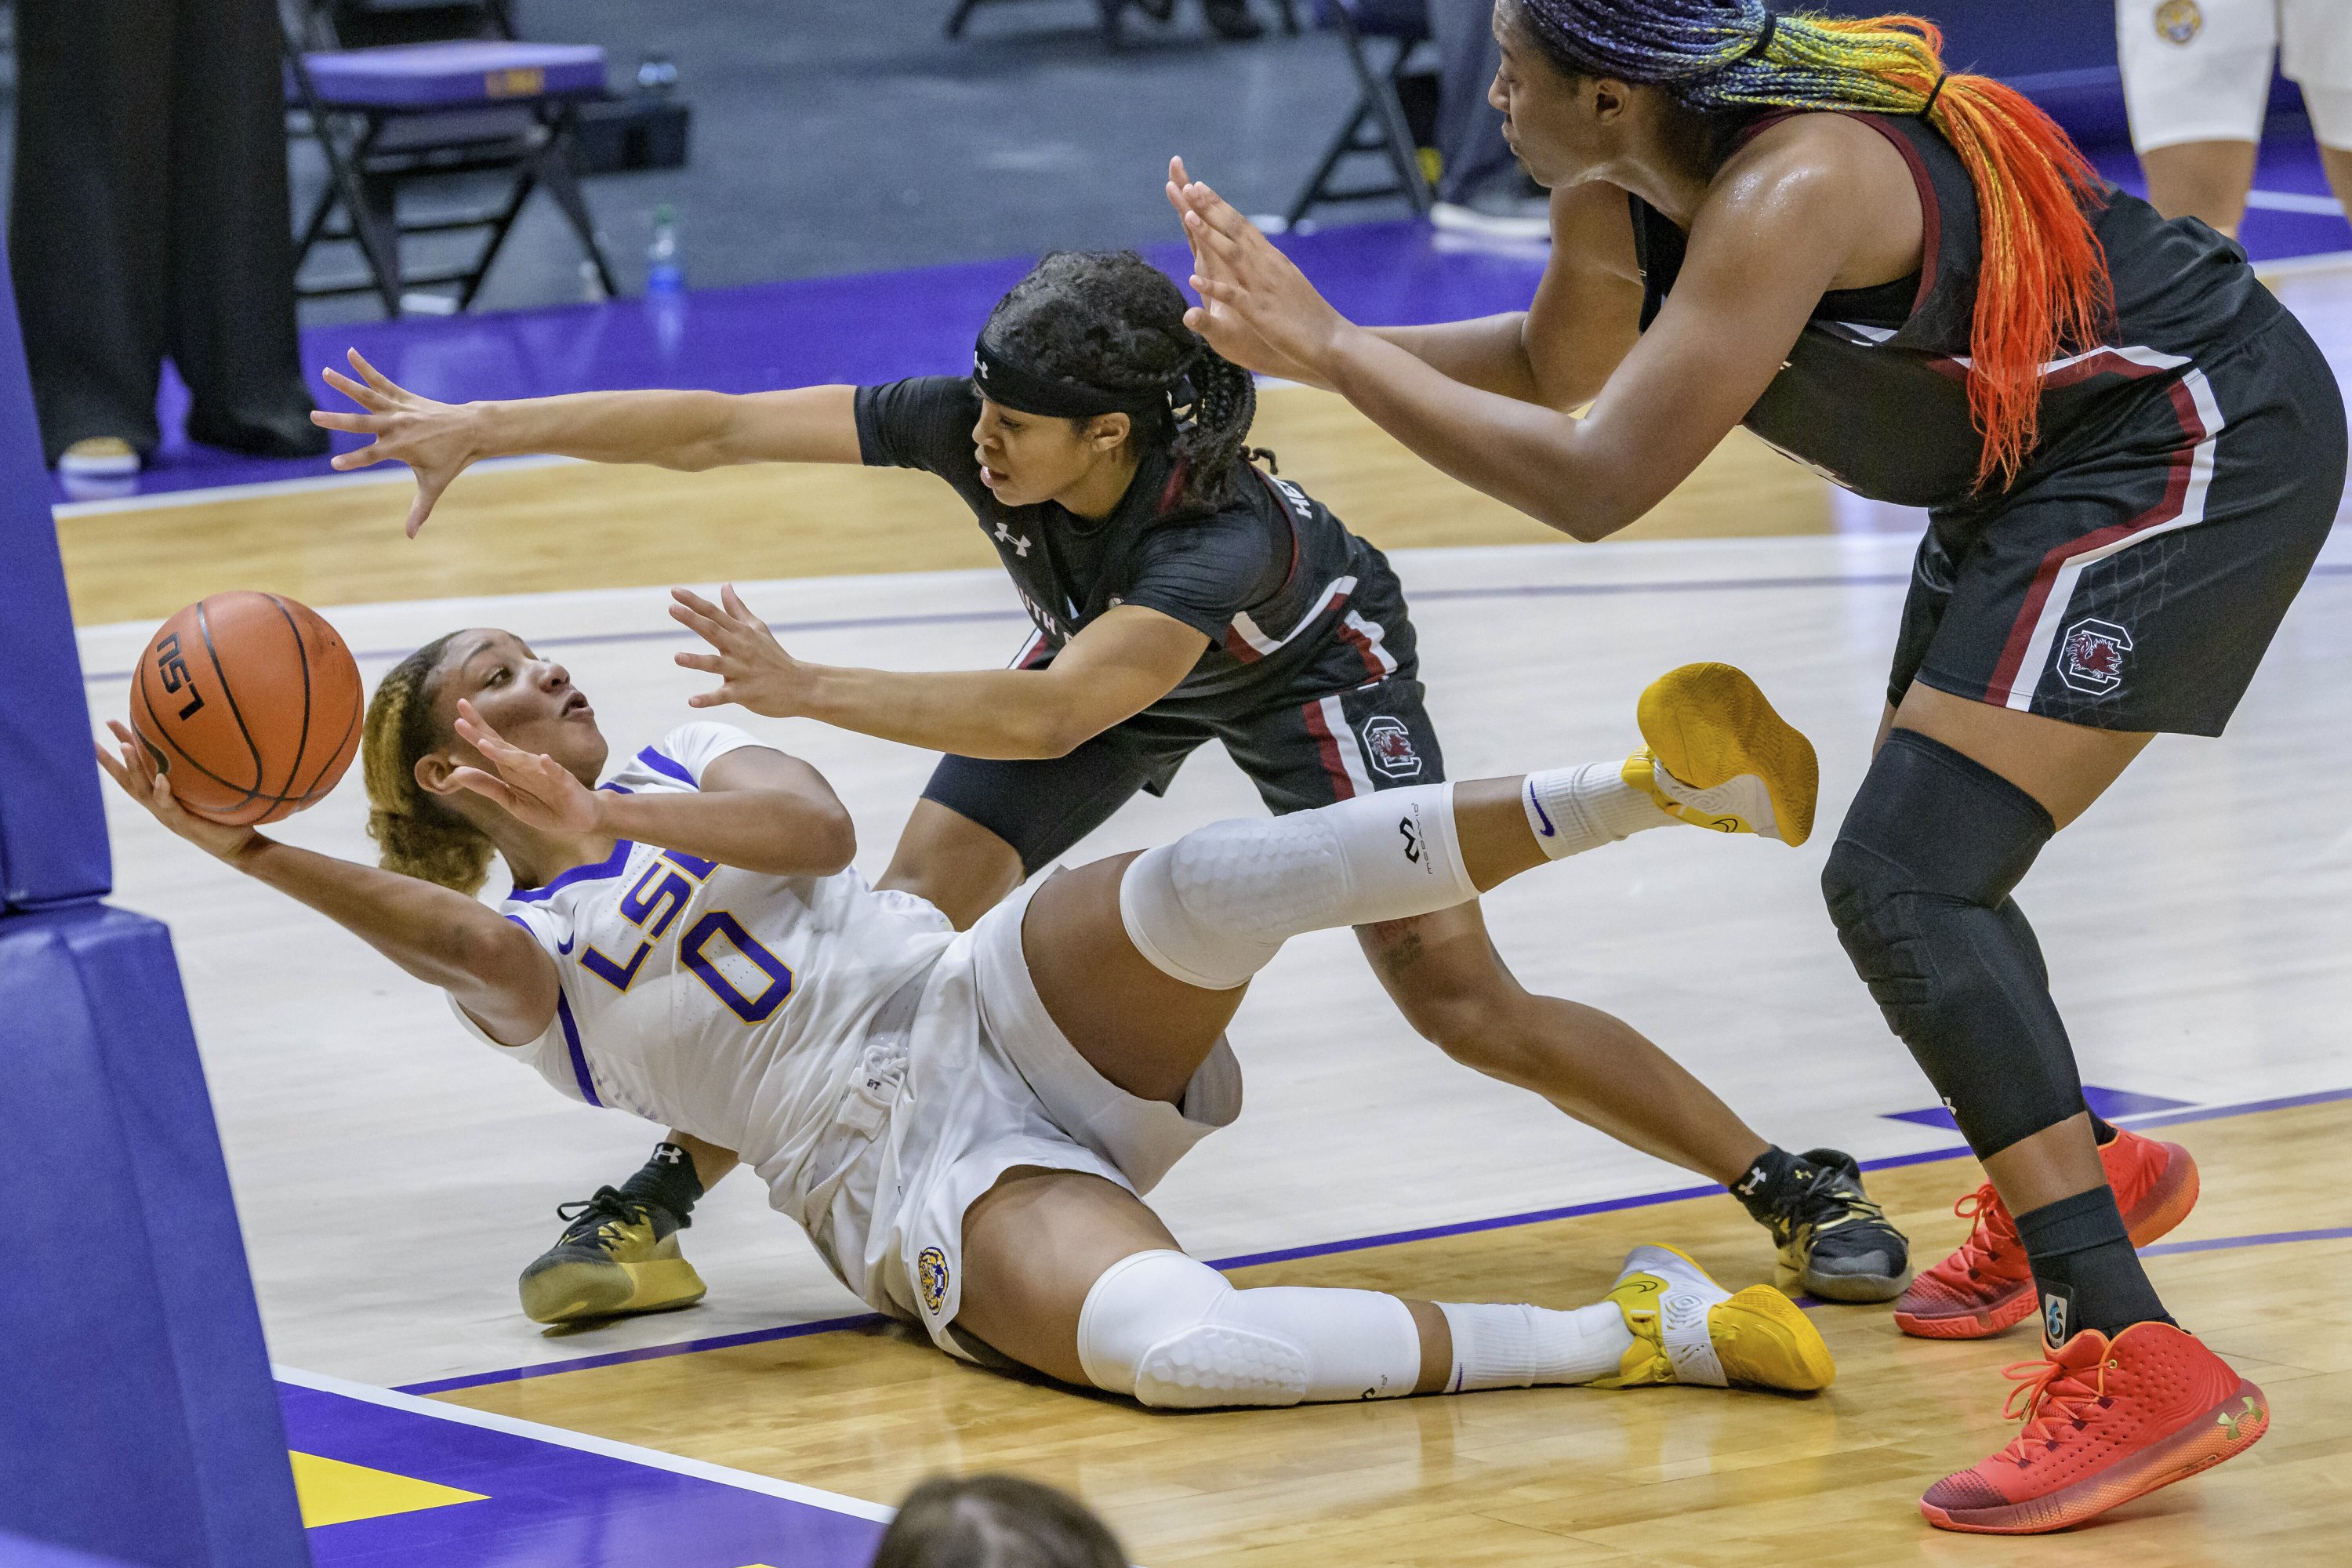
{"x":1214,"y":907}
{"x":1169,"y":1329}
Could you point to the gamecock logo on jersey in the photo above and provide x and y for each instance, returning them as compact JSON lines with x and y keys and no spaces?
{"x":1388,"y":744}
{"x":2179,"y":21}
{"x":2091,"y":656}
{"x":931,"y":1273}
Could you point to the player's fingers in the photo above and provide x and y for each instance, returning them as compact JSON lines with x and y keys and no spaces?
{"x":706,"y":662}
{"x":742,"y":612}
{"x":706,"y":624}
{"x":358,"y":392}
{"x":114,"y":767}
{"x":695,"y":602}
{"x":372,"y":376}
{"x":429,"y":490}
{"x":357,"y":424}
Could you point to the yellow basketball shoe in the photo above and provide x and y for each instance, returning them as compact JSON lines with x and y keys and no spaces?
{"x":1718,"y":756}
{"x":617,"y":1257}
{"x":1687,"y":1329}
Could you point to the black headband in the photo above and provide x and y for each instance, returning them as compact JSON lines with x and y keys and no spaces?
{"x":1933,"y":94}
{"x":1763,"y":39}
{"x":1005,"y":381}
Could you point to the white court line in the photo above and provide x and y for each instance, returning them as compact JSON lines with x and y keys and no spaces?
{"x":628,"y":1453}
{"x":2293,"y":202}
{"x":384,"y":474}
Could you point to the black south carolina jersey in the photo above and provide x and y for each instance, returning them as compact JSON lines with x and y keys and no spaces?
{"x":1875,"y":394}
{"x":1282,"y":591}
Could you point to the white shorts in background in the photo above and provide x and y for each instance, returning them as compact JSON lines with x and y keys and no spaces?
{"x":2200,"y":70}
{"x":991,"y":1084}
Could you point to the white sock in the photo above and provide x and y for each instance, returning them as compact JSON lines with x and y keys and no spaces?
{"x":1508,"y":1345}
{"x":1571,"y":810}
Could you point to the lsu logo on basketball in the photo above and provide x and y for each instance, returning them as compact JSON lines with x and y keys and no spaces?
{"x":175,"y":671}
{"x":931,"y":1274}
{"x":2179,"y":21}
{"x":2091,"y":656}
{"x":1388,"y":746}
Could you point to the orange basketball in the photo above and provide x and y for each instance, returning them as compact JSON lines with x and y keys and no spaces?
{"x":250,"y":704}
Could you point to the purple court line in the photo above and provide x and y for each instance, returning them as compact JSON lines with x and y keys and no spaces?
{"x":1432,"y":1233}
{"x":1424,"y":595}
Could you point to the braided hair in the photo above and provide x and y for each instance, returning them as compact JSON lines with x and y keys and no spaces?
{"x":2042,"y":286}
{"x":1110,"y":319}
{"x":416,"y":834}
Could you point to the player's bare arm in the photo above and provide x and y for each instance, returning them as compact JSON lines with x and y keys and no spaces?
{"x":1783,"y":222}
{"x":1121,"y":663}
{"x":493,"y":968}
{"x":684,"y":430}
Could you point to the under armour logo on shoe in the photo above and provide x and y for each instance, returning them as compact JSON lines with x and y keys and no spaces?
{"x":669,"y":1154}
{"x":2231,"y":1420}
{"x":1747,"y":1185}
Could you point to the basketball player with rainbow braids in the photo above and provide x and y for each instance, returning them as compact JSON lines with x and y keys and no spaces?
{"x":2130,"y":454}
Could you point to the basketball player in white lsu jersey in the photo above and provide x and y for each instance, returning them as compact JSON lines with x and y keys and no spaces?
{"x":964,"y":1123}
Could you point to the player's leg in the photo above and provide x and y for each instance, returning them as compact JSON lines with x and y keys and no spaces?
{"x":2315,"y":49}
{"x":1072,"y":1275}
{"x":2062,"y":641}
{"x":2197,"y":80}
{"x":1140,"y":959}
{"x":1445,"y":977}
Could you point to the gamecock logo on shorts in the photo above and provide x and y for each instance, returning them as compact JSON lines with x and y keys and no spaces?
{"x":2091,"y":656}
{"x":1388,"y":746}
{"x":2179,"y":21}
{"x":931,"y":1272}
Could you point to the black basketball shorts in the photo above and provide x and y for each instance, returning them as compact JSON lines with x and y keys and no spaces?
{"x":1302,"y":746}
{"x":2135,"y":579}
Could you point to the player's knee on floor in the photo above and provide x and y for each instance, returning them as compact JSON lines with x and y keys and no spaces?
{"x":1918,"y":885}
{"x":1170,"y":1331}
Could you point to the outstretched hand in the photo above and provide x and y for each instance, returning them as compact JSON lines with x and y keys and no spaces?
{"x":1256,"y":306}
{"x":134,"y":767}
{"x":752,"y":668}
{"x":435,"y":439}
{"x":534,"y":789}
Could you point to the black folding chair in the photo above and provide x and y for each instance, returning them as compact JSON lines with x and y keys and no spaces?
{"x":1379,"y":124}
{"x":399,"y":91}
{"x":1111,"y":12}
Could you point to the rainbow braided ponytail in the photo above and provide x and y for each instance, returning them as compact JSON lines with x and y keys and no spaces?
{"x":2042,"y":286}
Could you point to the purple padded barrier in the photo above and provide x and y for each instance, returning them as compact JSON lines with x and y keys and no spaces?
{"x":52,"y":830}
{"x":439,"y":76}
{"x":139,"y":1419}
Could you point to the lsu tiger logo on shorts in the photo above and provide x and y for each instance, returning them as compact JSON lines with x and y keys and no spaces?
{"x":931,"y":1274}
{"x":1388,"y":745}
{"x":2179,"y":21}
{"x":2091,"y":656}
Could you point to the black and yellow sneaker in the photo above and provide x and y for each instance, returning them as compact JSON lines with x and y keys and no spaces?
{"x":1835,"y":1242}
{"x":618,"y":1255}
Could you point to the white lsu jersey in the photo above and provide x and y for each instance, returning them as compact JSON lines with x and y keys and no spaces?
{"x":730,"y":1004}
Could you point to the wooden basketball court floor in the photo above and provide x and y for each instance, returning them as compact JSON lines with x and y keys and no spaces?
{"x":393,"y":1177}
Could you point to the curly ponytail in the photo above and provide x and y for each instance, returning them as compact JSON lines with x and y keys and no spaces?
{"x":418,"y":835}
{"x":1110,"y":319}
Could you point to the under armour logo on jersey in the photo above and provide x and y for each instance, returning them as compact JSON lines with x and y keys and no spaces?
{"x":1411,"y":831}
{"x":1004,"y":535}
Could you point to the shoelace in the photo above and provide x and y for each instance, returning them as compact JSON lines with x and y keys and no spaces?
{"x":1842,"y":1206}
{"x":584,"y":1216}
{"x":2049,"y":1396}
{"x":1993,"y":1227}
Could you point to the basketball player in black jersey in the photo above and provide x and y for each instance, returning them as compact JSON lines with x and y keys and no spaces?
{"x":2131,"y":454}
{"x":1180,"y":594}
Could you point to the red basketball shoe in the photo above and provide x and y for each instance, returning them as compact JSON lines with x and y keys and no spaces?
{"x":1986,"y":1287}
{"x":2105,"y":1421}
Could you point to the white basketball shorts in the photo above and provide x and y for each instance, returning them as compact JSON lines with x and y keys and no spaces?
{"x":2200,"y":70}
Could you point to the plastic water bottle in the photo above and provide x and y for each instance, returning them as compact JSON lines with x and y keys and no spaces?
{"x":665,"y":267}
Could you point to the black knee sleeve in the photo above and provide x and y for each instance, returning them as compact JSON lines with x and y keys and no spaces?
{"x":1918,"y":884}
